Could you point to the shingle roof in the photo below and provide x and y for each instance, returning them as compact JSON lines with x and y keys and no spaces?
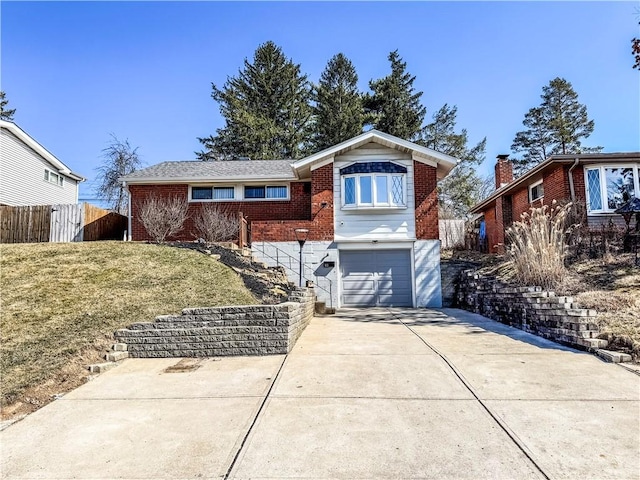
{"x":215,"y":171}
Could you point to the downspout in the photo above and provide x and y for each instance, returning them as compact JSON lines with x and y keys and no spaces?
{"x":572,"y":188}
{"x":126,"y":187}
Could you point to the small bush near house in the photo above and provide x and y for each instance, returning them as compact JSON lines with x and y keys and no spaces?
{"x":214,"y":224}
{"x":537,"y":246}
{"x":163,"y":217}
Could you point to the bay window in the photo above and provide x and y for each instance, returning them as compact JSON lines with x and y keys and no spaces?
{"x":610,"y":186}
{"x":373,"y":184}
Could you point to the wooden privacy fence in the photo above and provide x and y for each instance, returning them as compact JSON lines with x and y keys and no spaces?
{"x":60,"y":223}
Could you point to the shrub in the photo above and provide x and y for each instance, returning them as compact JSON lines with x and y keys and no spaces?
{"x":537,"y":246}
{"x":163,"y":217}
{"x":214,"y":224}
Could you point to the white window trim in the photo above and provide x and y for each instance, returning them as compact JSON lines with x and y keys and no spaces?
{"x":374,"y":204}
{"x":605,"y":210}
{"x":531,"y":187}
{"x":48,"y":172}
{"x":238,"y":193}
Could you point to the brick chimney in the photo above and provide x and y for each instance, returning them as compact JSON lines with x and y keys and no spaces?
{"x":504,"y":171}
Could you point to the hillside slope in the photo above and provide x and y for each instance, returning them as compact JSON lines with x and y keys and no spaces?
{"x":61,"y":303}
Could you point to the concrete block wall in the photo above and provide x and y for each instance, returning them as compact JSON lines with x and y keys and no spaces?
{"x":222,"y":331}
{"x":531,"y":309}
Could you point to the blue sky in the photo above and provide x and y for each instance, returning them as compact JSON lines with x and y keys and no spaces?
{"x":78,"y":71}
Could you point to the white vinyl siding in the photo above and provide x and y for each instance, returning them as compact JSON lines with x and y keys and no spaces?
{"x":390,"y":224}
{"x":22,"y":176}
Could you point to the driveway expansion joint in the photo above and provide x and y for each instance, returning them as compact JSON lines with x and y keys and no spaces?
{"x":505,"y":428}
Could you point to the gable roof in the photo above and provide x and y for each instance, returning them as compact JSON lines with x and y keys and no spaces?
{"x":281,"y":170}
{"x":216,"y":171}
{"x":443,"y":163}
{"x":40,"y":150}
{"x":583,"y":158}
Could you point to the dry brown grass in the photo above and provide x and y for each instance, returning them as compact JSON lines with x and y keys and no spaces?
{"x":62,"y":302}
{"x":537,"y":246}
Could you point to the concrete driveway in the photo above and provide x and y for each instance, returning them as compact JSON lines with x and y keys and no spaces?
{"x":374,"y":393}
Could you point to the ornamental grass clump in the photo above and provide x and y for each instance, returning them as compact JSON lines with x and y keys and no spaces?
{"x":537,"y":246}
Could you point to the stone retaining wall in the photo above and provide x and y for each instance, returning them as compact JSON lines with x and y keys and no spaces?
{"x":535,"y":311}
{"x":450,"y":271}
{"x":222,"y":331}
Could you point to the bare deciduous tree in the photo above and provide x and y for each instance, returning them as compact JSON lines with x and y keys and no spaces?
{"x":163,"y":217}
{"x":214,"y":224}
{"x":120,"y":159}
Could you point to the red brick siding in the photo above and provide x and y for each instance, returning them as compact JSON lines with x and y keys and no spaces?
{"x":578,"y":183}
{"x":320,"y":225}
{"x":426,"y":200}
{"x":503,"y":172}
{"x":298,"y":208}
{"x":490,"y":226}
{"x":556,"y":187}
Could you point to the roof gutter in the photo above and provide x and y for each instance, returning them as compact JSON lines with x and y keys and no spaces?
{"x":572,"y":188}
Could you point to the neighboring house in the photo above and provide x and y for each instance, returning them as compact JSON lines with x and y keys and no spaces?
{"x":599,"y":181}
{"x":30,"y":174}
{"x":369,"y":204}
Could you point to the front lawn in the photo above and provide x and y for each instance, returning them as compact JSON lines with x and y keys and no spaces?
{"x":61,"y":304}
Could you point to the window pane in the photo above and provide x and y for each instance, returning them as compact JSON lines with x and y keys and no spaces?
{"x":201,"y":193}
{"x":46,"y":175}
{"x":593,"y":185}
{"x":382,"y":192}
{"x":254,"y":192}
{"x":223,"y":193}
{"x":276,"y":192}
{"x":350,"y":191}
{"x":365,"y":189}
{"x":619,"y":186}
{"x":397,"y":192}
{"x":537,"y":192}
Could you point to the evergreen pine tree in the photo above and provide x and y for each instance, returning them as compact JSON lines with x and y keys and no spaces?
{"x":555,"y":127}
{"x":394,"y":106}
{"x":266,"y":108}
{"x":338,"y":110}
{"x":462,"y":188}
{"x":5,"y":114}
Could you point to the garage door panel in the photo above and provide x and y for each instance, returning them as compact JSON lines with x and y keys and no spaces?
{"x":380,"y":278}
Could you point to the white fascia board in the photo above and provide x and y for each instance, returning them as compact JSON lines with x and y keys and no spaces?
{"x":322,"y":163}
{"x":418,"y":152}
{"x":40,"y":150}
{"x":191,"y":180}
{"x":359,"y":244}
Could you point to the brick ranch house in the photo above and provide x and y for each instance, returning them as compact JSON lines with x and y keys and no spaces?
{"x":370,"y":206}
{"x":599,"y":181}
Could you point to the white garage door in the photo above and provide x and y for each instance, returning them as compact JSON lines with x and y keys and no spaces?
{"x":376,"y":278}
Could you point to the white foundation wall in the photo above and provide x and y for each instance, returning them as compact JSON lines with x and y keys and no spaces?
{"x":315,"y":254}
{"x":427,"y":273}
{"x":426,"y":255}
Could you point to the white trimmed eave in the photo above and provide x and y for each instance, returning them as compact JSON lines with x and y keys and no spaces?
{"x":442,"y":162}
{"x":40,"y":150}
{"x":192,"y":180}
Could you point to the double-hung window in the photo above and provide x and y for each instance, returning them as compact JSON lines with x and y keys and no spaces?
{"x":373,"y":184}
{"x":610,"y":186}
